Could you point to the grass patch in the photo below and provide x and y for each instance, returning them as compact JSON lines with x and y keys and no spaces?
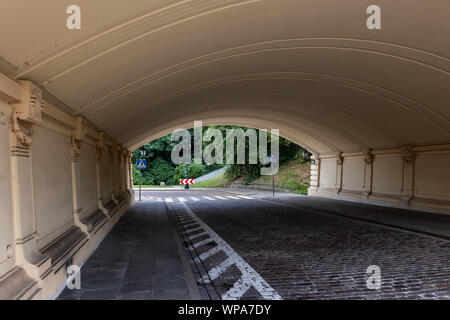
{"x":216,"y":182}
{"x":293,"y":176}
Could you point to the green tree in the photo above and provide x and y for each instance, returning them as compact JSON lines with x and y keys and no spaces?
{"x":161,"y":171}
{"x":194,"y":171}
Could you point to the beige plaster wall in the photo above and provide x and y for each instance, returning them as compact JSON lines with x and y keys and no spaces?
{"x":388,"y":174}
{"x":52,"y":183}
{"x":48,"y":168}
{"x":353,"y":174}
{"x":6,"y":215}
{"x":106,"y":177}
{"x":433,"y":175}
{"x":88,"y":178}
{"x":328,"y":173}
{"x":392,"y":179}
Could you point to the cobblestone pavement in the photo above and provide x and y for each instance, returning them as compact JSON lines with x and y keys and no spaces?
{"x":309,"y":255}
{"x":248,"y":246}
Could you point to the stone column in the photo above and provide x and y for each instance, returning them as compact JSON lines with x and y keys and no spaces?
{"x":120,"y":170}
{"x":315,"y":173}
{"x":126,"y":172}
{"x":99,"y":155}
{"x":339,"y":171}
{"x":24,"y":114}
{"x":408,"y":174}
{"x":368,"y":173}
{"x":75,"y":151}
{"x":130,"y":175}
{"x":113,"y":151}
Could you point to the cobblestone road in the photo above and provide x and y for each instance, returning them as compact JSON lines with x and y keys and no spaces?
{"x":250,"y":246}
{"x":308,"y":255}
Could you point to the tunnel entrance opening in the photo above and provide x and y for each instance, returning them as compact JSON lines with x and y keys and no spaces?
{"x":74,"y":103}
{"x":224,"y":156}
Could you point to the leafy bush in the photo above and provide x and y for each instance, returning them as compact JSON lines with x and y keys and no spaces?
{"x":160,"y":171}
{"x":194,"y":171}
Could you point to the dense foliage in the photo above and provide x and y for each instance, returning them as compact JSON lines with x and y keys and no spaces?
{"x":160,"y":167}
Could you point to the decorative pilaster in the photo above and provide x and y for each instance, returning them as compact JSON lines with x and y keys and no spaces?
{"x":99,"y":149}
{"x":120,"y":171}
{"x":368,"y":173}
{"x":125,"y":169}
{"x":130,"y":175}
{"x":24,"y":114}
{"x":408,"y":173}
{"x":315,"y":173}
{"x":77,"y":135}
{"x":339,"y":171}
{"x":113,"y":153}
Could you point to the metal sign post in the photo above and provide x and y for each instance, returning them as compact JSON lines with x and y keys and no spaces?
{"x":186,"y":186}
{"x":273,"y":159}
{"x":140,"y":185}
{"x":273,"y":185}
{"x":141,"y":165}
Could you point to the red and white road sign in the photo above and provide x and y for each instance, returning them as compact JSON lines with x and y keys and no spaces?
{"x":187,"y":181}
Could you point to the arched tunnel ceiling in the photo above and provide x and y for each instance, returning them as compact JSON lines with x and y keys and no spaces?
{"x":138,"y":68}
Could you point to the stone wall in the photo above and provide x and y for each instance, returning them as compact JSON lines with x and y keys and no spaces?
{"x":7,"y":261}
{"x":57,"y":179}
{"x":415,"y":178}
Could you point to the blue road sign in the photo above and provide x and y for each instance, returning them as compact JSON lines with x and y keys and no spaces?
{"x":141,"y":164}
{"x":185,"y":171}
{"x":273,"y":159}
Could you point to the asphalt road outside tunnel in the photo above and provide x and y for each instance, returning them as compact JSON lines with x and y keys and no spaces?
{"x":291,"y":251}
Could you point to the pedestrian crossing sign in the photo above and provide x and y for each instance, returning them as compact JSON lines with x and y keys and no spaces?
{"x":141,"y":164}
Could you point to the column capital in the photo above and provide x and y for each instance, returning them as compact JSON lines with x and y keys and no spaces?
{"x":119,"y":154}
{"x":75,"y":146}
{"x":408,"y":154}
{"x":100,"y":145}
{"x":339,"y":158}
{"x":26,"y":112}
{"x":80,"y":128}
{"x":113,"y":150}
{"x":368,"y":156}
{"x":23,"y":135}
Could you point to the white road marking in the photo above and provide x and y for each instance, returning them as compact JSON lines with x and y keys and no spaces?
{"x":249,"y":278}
{"x":190,"y":230}
{"x":219,"y":197}
{"x":197,"y":235}
{"x":193,"y":227}
{"x":245,"y":197}
{"x":195,"y":198}
{"x":215,"y":272}
{"x":209,"y":253}
{"x":168,"y":200}
{"x":201,"y":243}
{"x":188,"y":224}
{"x":209,"y":198}
{"x":231,"y":197}
{"x":238,"y":290}
{"x":181,"y":199}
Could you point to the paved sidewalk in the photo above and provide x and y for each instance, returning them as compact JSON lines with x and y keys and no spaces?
{"x":139,"y":259}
